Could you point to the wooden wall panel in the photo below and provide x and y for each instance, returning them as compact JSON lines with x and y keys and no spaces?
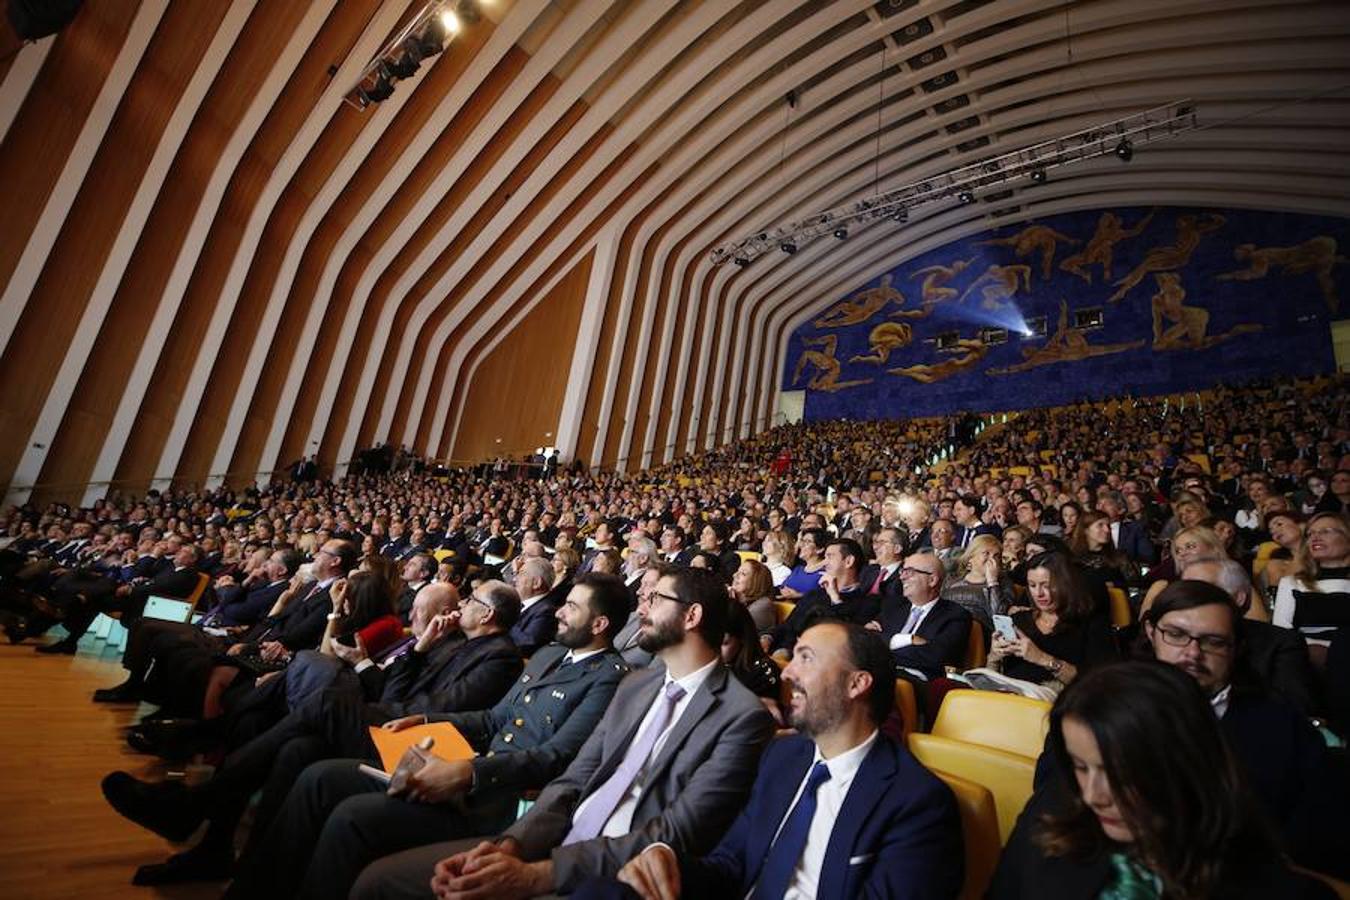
{"x":170,"y":61}
{"x":669,"y":413}
{"x":385,"y":157}
{"x":157,"y":412}
{"x":296,"y":103}
{"x":581,"y":239}
{"x":516,"y":394}
{"x":47,"y":326}
{"x":463,"y":186}
{"x":623,"y":381}
{"x":35,"y":149}
{"x":595,"y":387}
{"x":482,"y":220}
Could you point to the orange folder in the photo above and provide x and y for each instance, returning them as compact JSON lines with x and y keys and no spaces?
{"x":450,"y":744}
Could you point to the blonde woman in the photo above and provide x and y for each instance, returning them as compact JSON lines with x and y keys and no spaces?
{"x":1318,"y":590}
{"x":1188,"y":545}
{"x":775,"y":548}
{"x":981,"y":586}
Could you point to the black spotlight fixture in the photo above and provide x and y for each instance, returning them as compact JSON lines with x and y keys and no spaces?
{"x":1125,"y":151}
{"x":381,"y":90}
{"x":1038,"y":176}
{"x":468,"y":11}
{"x":900,"y":215}
{"x":966,"y":197}
{"x":431,"y":40}
{"x":841,"y":233}
{"x":741,"y":261}
{"x":788,"y":247}
{"x":405,"y":66}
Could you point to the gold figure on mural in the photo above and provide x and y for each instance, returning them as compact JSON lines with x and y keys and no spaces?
{"x":1034,"y":239}
{"x":1188,"y":323}
{"x":935,"y":280}
{"x":974,"y":351}
{"x":1065,"y":345}
{"x":1313,"y":255}
{"x":1166,"y":259}
{"x":883,"y":339}
{"x":861,"y":306}
{"x":1000,"y":283}
{"x":1100,"y":249}
{"x":825,"y":363}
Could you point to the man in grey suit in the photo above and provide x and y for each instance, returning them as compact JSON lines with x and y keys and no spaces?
{"x":673,"y":762}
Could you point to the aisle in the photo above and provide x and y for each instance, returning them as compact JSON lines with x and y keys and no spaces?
{"x":58,"y":837}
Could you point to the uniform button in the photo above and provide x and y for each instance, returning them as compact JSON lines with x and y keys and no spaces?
{"x":520,"y":723}
{"x":529,"y":697}
{"x":508,"y":738}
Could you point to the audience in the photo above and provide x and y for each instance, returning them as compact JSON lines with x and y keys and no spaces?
{"x":292,"y":658}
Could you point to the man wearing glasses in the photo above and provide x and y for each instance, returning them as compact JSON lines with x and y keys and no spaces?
{"x":441,"y":676}
{"x":672,"y":761}
{"x":1196,"y":627}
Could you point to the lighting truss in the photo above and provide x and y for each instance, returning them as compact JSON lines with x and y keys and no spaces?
{"x":1120,"y":137}
{"x":425,"y":35}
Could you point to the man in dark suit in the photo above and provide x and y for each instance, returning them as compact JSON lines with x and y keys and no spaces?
{"x":470,"y":674}
{"x":966,"y":512}
{"x":1194,"y":626}
{"x":538,"y":620}
{"x":154,"y":639}
{"x":672,"y":762}
{"x":881,"y":578}
{"x":416,"y":572}
{"x":840,"y":595}
{"x":1276,"y":658}
{"x":129,"y":600}
{"x":345,"y":817}
{"x":838,"y":810}
{"x":1128,"y":536}
{"x":925,"y":632}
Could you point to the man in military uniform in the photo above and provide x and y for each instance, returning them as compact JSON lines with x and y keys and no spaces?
{"x":336,"y":819}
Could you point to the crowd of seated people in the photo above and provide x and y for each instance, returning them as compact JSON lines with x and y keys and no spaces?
{"x":626,"y":645}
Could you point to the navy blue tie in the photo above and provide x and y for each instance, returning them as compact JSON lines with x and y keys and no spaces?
{"x":776,"y":874}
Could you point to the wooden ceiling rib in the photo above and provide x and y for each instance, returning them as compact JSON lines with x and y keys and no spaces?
{"x":212,"y":265}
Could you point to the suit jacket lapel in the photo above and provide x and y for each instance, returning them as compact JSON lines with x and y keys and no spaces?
{"x":621,"y":738}
{"x":704,"y":701}
{"x":868,"y":787}
{"x":783,"y":788}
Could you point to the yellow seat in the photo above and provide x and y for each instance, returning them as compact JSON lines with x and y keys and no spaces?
{"x":906,"y":705}
{"x":750,"y":554}
{"x":1004,"y":722}
{"x":1121,"y":614}
{"x":783,"y":609}
{"x":979,"y":833}
{"x":1201,"y":460}
{"x":442,"y":555}
{"x":1007,"y":776}
{"x":1263,"y":555}
{"x":976,"y":655}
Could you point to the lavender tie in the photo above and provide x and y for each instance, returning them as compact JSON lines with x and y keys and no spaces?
{"x":609,"y":795}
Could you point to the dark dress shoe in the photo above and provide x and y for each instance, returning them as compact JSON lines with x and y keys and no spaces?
{"x":16,"y":629}
{"x":126,"y":692}
{"x":165,"y":808}
{"x":65,"y":646}
{"x":196,"y":864}
{"x":169,"y":738}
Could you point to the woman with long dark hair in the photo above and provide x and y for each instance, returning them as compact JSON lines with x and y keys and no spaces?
{"x":1058,"y":637}
{"x":1144,"y":801}
{"x":363,"y":610}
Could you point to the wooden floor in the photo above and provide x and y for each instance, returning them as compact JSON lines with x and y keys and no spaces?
{"x":58,"y":836}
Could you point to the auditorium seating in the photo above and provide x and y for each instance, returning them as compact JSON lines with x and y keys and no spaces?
{"x":1004,"y":722}
{"x":979,"y":833}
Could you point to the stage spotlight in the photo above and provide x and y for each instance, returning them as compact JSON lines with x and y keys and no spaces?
{"x":1038,"y":176}
{"x":1125,"y":151}
{"x":741,"y":261}
{"x":841,"y":233}
{"x":966,"y":197}
{"x":788,"y":247}
{"x":469,"y":11}
{"x":449,"y":21}
{"x":405,"y":66}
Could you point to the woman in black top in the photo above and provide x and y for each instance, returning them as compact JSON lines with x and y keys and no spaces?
{"x":1059,"y":636}
{"x":1143,"y":801}
{"x":743,"y":655}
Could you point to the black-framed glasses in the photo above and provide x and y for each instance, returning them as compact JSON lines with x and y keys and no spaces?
{"x":654,"y":595}
{"x":1208,"y":643}
{"x":911,"y":570}
{"x":472,"y":598}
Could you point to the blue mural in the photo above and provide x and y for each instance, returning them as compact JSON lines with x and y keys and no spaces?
{"x":1089,"y":304}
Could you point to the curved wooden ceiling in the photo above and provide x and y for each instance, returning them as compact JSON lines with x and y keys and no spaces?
{"x":210,"y":264}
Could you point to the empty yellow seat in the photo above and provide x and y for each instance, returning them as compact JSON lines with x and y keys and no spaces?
{"x":976,"y":655}
{"x":1263,"y":555}
{"x":783,"y":609}
{"x":1121,"y":614}
{"x":750,"y":554}
{"x":1004,"y":722}
{"x":979,"y":831}
{"x":442,"y":555}
{"x":1007,"y":776}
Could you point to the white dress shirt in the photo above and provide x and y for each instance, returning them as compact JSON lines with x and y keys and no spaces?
{"x":830,"y":798}
{"x":531,"y":601}
{"x":904,"y":640}
{"x":620,"y":821}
